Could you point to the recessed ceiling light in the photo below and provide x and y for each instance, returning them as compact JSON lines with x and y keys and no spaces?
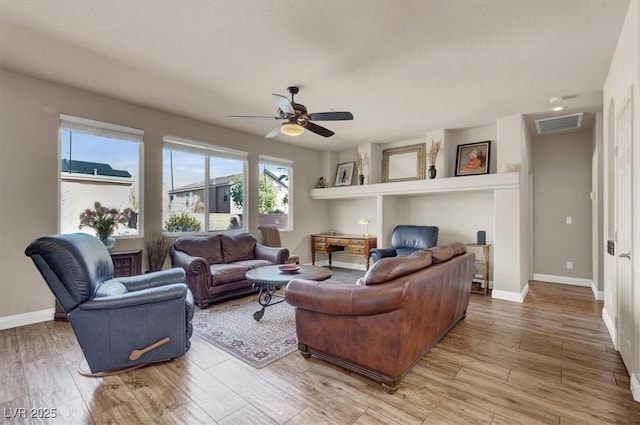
{"x":555,"y":104}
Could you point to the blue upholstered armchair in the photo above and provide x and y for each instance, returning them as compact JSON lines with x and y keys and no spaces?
{"x":406,"y":239}
{"x":120,"y":323}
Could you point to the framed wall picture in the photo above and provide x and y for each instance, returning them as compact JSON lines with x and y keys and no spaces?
{"x":344,"y":174}
{"x":473,"y":158}
{"x":403,"y":163}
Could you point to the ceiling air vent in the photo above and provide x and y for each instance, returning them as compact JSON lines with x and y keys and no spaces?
{"x":565,"y":122}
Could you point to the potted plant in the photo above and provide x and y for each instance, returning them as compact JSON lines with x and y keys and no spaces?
{"x":104,"y":220}
{"x":157,"y":249}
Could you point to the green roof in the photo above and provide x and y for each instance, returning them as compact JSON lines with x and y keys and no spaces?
{"x":92,"y":168}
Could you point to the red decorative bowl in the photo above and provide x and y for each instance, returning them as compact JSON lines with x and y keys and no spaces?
{"x":289,"y":268}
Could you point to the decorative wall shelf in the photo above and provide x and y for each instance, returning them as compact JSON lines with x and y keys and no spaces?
{"x":480,"y":183}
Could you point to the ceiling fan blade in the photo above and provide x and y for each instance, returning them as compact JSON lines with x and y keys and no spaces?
{"x":259,"y":117}
{"x":331,"y":116}
{"x":318,"y":129}
{"x":273,"y":133}
{"x":283,"y":103}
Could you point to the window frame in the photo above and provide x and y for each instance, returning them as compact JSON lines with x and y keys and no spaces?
{"x":182,"y":144}
{"x":110,"y":130}
{"x":288,"y":164}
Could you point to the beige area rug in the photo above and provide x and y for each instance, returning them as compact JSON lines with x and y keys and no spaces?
{"x":230,"y":326}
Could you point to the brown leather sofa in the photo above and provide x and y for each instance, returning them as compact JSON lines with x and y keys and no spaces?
{"x":215,"y":264}
{"x":383,"y":324}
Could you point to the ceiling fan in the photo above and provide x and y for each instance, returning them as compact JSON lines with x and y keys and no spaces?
{"x":297,"y":118}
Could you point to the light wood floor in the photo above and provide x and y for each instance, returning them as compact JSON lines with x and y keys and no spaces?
{"x":547,"y":361}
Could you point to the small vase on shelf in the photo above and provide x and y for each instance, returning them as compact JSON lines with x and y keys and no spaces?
{"x":361,"y":179}
{"x":432,"y":171}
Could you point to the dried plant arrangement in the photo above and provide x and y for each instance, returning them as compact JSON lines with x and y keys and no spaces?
{"x":433,"y":151}
{"x":360,"y":162}
{"x":157,"y":249}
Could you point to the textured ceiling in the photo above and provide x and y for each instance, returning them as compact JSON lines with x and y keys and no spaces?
{"x":401,"y":67}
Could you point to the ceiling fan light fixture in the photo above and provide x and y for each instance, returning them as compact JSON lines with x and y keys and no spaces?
{"x":291,"y":129}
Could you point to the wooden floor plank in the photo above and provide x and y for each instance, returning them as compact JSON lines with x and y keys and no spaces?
{"x":247,"y":415}
{"x":188,"y":414}
{"x":211,"y":395}
{"x":50,"y":383}
{"x":154,"y":390}
{"x":548,"y":360}
{"x":277,"y":405}
{"x":35,"y":342}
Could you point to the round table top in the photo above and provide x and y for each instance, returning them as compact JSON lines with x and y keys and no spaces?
{"x":272,"y":274}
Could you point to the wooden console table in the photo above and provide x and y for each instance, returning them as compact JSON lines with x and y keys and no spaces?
{"x":125,"y":263}
{"x":357,"y":245}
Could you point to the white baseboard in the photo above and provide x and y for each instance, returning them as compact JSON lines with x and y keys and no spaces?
{"x":635,"y":387}
{"x":344,"y":265}
{"x":8,"y":322}
{"x":511,"y":296}
{"x":598,"y":295}
{"x":565,"y":280}
{"x":611,"y":326}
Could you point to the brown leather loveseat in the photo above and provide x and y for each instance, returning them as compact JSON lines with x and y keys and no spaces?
{"x":383,"y":324}
{"x":215,"y":264}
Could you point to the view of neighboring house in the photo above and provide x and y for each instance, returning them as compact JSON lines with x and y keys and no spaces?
{"x":190,"y":197}
{"x":83,"y":182}
{"x":222,"y":208}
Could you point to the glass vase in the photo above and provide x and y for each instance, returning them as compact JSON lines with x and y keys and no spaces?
{"x":108,"y":241}
{"x":432,"y":171}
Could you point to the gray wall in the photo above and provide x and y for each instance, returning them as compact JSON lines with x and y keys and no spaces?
{"x":29,"y":191}
{"x":561,"y":188}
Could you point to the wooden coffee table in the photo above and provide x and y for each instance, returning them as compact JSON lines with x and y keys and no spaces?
{"x":269,"y":279}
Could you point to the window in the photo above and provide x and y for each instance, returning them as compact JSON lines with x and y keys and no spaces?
{"x":274,"y":192}
{"x":99,"y":162}
{"x":202,"y":187}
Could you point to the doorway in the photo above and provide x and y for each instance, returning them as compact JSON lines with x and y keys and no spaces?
{"x":624,"y":232}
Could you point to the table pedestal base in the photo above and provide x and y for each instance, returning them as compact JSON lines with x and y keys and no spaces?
{"x":265,"y":297}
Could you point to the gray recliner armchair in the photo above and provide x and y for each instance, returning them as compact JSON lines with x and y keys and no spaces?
{"x":120,"y":323}
{"x":406,"y":239}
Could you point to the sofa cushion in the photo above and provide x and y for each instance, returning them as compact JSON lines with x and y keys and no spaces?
{"x":253,"y":264}
{"x":390,"y":268}
{"x":225,"y":273}
{"x":238,"y":247}
{"x":207,"y":247}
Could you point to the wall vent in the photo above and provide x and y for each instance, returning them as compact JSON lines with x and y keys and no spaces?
{"x":565,"y":122}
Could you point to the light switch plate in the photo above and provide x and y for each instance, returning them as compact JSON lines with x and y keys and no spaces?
{"x":569,"y":219}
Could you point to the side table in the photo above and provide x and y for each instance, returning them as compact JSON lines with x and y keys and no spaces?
{"x":125,"y":263}
{"x":480,"y":284}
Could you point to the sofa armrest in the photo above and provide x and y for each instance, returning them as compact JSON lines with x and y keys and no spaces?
{"x":378,"y":253}
{"x":198,"y":274}
{"x":273,"y":254}
{"x":344,"y":300}
{"x":190,"y":264}
{"x":153,"y":279}
{"x":137,"y":298}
